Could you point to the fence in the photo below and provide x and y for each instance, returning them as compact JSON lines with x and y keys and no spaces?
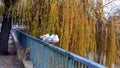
{"x":44,"y":55}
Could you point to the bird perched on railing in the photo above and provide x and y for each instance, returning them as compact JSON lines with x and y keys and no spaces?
{"x":45,"y":37}
{"x":50,"y":38}
{"x":53,"y":38}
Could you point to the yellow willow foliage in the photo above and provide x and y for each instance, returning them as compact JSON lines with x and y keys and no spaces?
{"x":101,"y":41}
{"x":29,"y":22}
{"x":75,"y":30}
{"x":53,"y":18}
{"x":118,"y":56}
{"x":64,"y":31}
{"x":35,"y":28}
{"x":72,"y":27}
{"x":111,"y":47}
{"x":92,"y":43}
{"x":46,"y":15}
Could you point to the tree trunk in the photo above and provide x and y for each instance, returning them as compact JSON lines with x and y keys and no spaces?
{"x":4,"y":36}
{"x":6,"y":27}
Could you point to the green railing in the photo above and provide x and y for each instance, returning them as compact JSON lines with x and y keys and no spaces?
{"x":44,"y":55}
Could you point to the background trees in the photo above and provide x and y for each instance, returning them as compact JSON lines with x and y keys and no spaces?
{"x":81,"y":26}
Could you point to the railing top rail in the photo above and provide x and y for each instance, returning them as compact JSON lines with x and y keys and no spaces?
{"x":70,"y":55}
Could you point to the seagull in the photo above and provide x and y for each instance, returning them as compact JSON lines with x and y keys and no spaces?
{"x":50,"y":38}
{"x":54,"y":38}
{"x":45,"y":37}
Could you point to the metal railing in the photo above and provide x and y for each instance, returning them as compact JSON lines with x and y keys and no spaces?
{"x":44,"y":55}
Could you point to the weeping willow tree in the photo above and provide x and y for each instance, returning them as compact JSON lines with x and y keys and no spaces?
{"x":111,"y":47}
{"x":79,"y":24}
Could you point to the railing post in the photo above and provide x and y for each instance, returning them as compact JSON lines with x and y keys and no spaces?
{"x":69,"y":63}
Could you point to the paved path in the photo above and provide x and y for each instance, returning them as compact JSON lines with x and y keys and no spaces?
{"x":11,"y":47}
{"x":10,"y":61}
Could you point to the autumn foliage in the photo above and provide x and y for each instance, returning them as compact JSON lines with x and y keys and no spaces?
{"x":80,"y":26}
